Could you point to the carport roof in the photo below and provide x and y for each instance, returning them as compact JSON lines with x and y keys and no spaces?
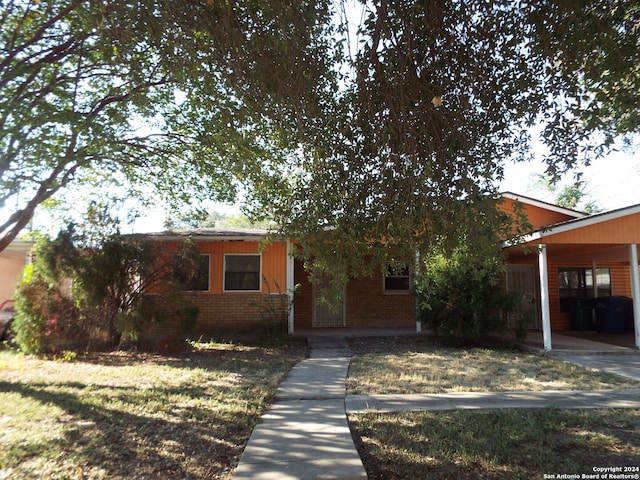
{"x":603,"y":237}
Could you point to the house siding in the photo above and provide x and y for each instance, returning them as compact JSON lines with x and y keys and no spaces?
{"x":237,"y":311}
{"x":624,"y":230}
{"x":537,"y":216}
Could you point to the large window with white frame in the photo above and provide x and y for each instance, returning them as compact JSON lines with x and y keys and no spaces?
{"x":242,"y":272}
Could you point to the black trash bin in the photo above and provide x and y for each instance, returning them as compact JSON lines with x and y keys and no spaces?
{"x":582,"y":315}
{"x":614,"y":314}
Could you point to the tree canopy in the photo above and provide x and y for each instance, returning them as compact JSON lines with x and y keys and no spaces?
{"x":372,"y":126}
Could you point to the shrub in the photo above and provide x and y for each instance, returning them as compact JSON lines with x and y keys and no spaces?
{"x":461,"y":294}
{"x":96,"y":294}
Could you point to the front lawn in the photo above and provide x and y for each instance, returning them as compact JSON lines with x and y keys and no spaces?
{"x":499,"y":444}
{"x":136,"y":415}
{"x":420,"y":365}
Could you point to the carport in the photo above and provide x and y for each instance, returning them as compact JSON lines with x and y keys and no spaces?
{"x":600,"y":251}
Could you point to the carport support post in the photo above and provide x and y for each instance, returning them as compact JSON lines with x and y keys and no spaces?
{"x":635,"y":289}
{"x":290,"y":285}
{"x":544,"y":297}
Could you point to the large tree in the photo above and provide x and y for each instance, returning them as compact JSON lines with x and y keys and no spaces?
{"x":372,"y":126}
{"x":437,"y":97}
{"x":144,"y":92}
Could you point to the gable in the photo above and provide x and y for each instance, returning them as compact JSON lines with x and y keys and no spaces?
{"x":617,"y":227}
{"x":539,"y":214}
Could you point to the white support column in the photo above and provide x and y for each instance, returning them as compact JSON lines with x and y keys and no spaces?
{"x":635,"y":289}
{"x":290,"y":285}
{"x":417,"y":306}
{"x":544,"y":298}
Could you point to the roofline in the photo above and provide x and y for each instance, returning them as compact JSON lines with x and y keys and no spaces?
{"x":20,"y":246}
{"x":546,"y":205}
{"x":581,"y":223}
{"x":236,"y":234}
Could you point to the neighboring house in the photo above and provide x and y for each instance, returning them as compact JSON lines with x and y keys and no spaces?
{"x":571,"y":258}
{"x":12,"y":261}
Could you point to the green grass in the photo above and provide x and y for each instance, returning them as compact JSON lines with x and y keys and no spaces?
{"x":143,"y":416}
{"x":507,"y":444}
{"x":419,"y":365}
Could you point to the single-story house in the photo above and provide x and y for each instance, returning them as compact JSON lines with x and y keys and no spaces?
{"x":242,"y":274}
{"x":569,"y":258}
{"x":12,"y":261}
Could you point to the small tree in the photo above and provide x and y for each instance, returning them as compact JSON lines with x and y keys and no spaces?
{"x":460,"y":280}
{"x":97,"y":294}
{"x":462,"y":295}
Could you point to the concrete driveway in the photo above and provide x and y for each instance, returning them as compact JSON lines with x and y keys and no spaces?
{"x":626,"y":365}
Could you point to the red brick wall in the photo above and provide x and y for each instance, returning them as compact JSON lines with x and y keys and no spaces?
{"x":369,"y":306}
{"x":224,"y":313}
{"x":366,"y":303}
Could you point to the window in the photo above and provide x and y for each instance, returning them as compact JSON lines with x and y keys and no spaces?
{"x":396,"y":278}
{"x":242,"y":273}
{"x":577,"y":282}
{"x":197,"y":281}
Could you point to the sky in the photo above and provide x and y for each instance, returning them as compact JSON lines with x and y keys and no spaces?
{"x":612,"y":182}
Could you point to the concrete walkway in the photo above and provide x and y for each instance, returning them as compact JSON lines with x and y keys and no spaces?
{"x":305,"y":434}
{"x":447,"y":402}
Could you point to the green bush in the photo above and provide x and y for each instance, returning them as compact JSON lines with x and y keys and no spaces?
{"x":461,"y":294}
{"x":30,"y":323}
{"x":94,"y":295}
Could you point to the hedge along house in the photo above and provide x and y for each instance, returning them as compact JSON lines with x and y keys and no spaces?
{"x":572,"y":258}
{"x":243,"y":275}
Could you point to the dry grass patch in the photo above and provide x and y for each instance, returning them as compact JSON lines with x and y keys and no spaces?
{"x":419,"y":365}
{"x":500,"y":444}
{"x":128,"y":415}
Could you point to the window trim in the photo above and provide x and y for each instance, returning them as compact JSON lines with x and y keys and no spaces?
{"x":224,"y":272}
{"x":385,"y":275}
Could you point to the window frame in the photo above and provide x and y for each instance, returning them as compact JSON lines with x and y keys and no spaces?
{"x":224,"y":273}
{"x":387,"y":274}
{"x":584,"y":289}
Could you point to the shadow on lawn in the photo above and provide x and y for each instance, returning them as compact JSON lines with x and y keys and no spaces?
{"x":512,"y":444}
{"x":101,"y":431}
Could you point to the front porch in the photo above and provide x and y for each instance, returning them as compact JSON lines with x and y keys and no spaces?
{"x":359,"y":332}
{"x":588,"y":343}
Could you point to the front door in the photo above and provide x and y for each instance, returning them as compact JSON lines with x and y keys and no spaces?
{"x":323,"y":315}
{"x":522,"y":279}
